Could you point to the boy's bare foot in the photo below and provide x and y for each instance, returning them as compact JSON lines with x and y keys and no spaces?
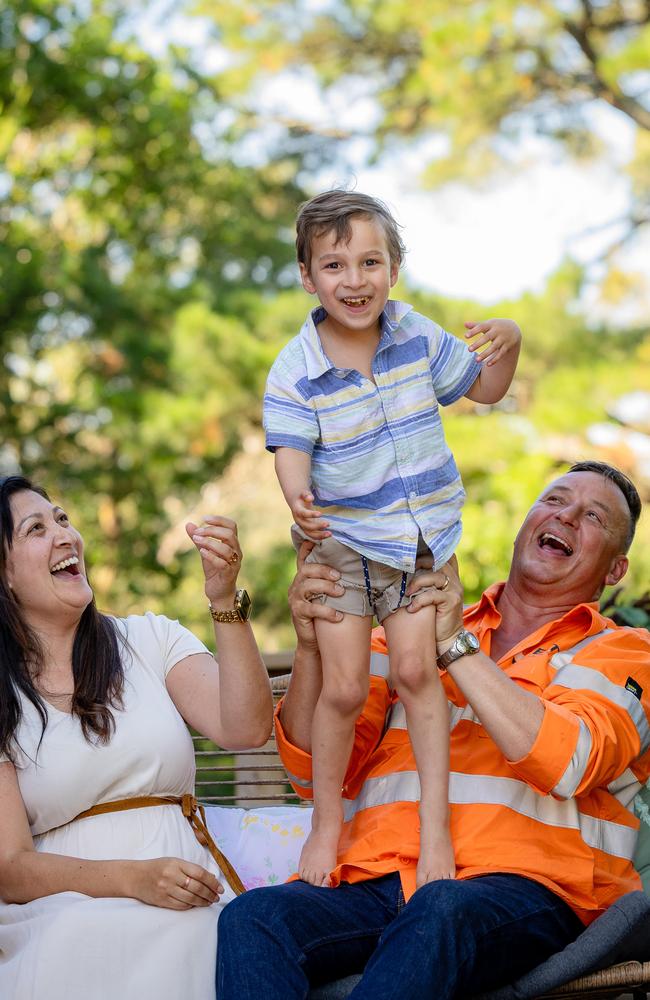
{"x":318,"y":855}
{"x":436,"y":859}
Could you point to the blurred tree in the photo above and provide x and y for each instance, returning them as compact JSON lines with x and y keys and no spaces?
{"x":479,"y":75}
{"x":145,"y":232}
{"x":133,"y":253}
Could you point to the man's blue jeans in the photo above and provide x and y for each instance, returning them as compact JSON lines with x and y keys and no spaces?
{"x":452,"y":939}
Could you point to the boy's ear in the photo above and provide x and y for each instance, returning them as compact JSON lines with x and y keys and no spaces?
{"x":394,"y":273}
{"x":305,"y":277}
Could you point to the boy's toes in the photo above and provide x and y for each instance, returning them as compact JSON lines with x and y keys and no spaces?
{"x":426,"y":875}
{"x":314,"y":877}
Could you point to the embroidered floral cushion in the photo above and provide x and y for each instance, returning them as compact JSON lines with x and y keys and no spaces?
{"x":263,"y":844}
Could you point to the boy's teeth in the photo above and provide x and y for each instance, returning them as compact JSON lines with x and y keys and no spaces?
{"x":72,"y":561}
{"x":357,"y":302}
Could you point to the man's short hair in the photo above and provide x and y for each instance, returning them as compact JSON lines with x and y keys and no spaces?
{"x":625,"y":485}
{"x":333,"y":210}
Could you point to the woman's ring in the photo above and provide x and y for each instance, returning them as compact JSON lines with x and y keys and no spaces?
{"x":233,"y":559}
{"x":446,"y":583}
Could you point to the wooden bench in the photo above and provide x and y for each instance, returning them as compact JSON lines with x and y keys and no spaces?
{"x":257,"y":778}
{"x":253,"y":778}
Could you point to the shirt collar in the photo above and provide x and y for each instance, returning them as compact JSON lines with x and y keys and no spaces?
{"x":316,"y":360}
{"x":484,"y":616}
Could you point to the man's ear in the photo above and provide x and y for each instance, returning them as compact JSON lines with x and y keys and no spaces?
{"x":617,"y":570}
{"x":305,"y":277}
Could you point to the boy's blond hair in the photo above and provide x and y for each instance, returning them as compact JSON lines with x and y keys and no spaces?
{"x":333,"y":210}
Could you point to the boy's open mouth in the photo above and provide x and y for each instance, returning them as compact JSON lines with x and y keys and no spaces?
{"x":361,"y":300}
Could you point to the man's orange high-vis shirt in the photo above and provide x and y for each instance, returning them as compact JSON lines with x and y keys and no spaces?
{"x":562,"y":815}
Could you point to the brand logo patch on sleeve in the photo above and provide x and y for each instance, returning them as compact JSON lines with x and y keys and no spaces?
{"x":634,"y":687}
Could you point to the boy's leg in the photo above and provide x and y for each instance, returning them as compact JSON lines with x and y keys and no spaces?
{"x":412,"y":651}
{"x":345,"y":654}
{"x":276,"y":942}
{"x":461,"y":937}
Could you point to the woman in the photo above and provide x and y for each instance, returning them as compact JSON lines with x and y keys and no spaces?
{"x":93,"y":709}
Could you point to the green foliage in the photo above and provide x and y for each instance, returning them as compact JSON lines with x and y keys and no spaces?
{"x":142,"y":257}
{"x":128,"y":240}
{"x":636,"y":613}
{"x":480,"y":75}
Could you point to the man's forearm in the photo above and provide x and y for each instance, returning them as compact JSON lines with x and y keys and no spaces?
{"x":511,"y":715}
{"x":298,"y":706}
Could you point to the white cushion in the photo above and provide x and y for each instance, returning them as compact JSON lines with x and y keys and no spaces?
{"x":263,"y":844}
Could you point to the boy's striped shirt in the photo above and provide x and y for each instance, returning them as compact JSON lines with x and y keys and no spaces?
{"x":381,"y":469}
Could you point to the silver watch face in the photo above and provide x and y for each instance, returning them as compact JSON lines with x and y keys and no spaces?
{"x":467,"y":643}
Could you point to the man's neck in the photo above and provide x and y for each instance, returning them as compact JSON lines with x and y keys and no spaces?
{"x":522,"y":614}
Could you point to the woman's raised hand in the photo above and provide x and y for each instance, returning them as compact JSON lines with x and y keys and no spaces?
{"x":172,"y":883}
{"x":218,"y":545}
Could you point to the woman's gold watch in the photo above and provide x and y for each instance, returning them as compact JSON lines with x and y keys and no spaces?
{"x":240,"y":613}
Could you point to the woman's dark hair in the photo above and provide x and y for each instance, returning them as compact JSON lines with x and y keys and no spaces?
{"x":96,"y":664}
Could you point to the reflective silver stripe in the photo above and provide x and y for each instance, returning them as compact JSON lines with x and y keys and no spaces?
{"x":612,"y":838}
{"x":574,"y":772}
{"x":517,"y":795}
{"x":566,"y":656}
{"x":397,"y":716}
{"x":466,"y":789}
{"x":467,"y":714}
{"x":402,"y":786}
{"x":301,"y":782}
{"x":625,"y":787}
{"x":585,"y":678}
{"x":379,"y":664}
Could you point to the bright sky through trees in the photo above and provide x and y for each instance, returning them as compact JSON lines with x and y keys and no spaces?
{"x":489,"y":242}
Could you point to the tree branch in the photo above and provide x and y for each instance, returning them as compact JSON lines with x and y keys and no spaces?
{"x":606,"y":91}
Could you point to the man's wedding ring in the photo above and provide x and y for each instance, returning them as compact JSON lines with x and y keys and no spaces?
{"x":446,"y":583}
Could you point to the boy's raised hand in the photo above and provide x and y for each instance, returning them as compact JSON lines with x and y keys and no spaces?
{"x":502,"y":336}
{"x":308,"y":519}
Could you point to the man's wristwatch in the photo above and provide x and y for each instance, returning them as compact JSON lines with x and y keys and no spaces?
{"x":240,"y":613}
{"x":465,"y":644}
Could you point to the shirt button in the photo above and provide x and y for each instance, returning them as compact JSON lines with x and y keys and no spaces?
{"x":412,"y":495}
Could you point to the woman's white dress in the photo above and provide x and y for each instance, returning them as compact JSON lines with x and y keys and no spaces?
{"x":70,"y":946}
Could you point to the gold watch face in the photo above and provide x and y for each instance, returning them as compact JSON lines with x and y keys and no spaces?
{"x":243,"y":605}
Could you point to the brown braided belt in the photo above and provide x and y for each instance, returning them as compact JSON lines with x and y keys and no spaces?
{"x":195,"y":815}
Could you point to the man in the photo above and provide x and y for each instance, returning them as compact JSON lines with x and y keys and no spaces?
{"x":549,"y":744}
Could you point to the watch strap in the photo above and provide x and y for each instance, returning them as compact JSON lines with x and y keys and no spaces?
{"x":459,"y":647}
{"x":225,"y":616}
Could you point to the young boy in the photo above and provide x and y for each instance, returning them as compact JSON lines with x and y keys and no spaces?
{"x":351,"y":412}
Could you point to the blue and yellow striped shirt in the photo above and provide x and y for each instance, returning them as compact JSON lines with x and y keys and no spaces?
{"x":381,"y":469}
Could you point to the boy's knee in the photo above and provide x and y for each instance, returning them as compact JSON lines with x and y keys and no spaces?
{"x":412,"y":672}
{"x":347,"y":696}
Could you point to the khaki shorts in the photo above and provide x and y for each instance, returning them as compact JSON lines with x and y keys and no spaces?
{"x":386,"y":582}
